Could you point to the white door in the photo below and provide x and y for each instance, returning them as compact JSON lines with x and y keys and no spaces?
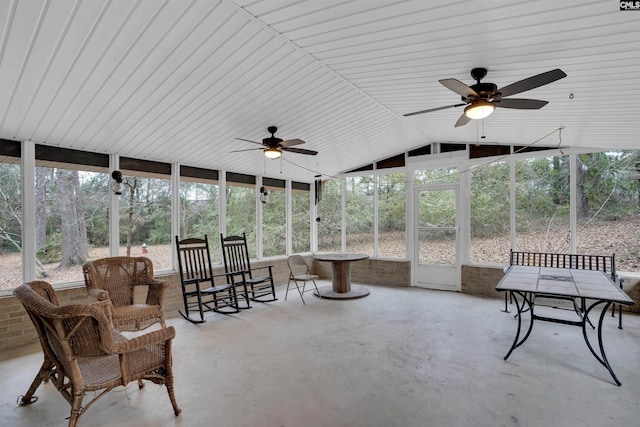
{"x":437,"y":238}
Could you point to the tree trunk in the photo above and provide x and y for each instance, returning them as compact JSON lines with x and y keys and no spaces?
{"x":41,"y":206}
{"x":133,"y":189}
{"x":82,"y":225}
{"x":74,"y":251}
{"x":581,"y":196}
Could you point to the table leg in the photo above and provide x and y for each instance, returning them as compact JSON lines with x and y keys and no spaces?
{"x":341,"y":277}
{"x":602,"y":358}
{"x":517,"y":342}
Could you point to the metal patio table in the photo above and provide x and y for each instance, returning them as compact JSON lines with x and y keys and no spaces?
{"x":525,"y":283}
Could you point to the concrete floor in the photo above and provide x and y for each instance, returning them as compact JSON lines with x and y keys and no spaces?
{"x":399,"y":357}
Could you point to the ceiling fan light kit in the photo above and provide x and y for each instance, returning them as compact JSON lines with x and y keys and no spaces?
{"x":272,"y":153}
{"x":479,"y":109}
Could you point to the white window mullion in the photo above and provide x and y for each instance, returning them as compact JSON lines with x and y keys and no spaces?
{"x":28,"y":196}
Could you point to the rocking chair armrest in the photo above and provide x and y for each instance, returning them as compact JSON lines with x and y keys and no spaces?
{"x":158,"y":336}
{"x":195,"y":281}
{"x":229,"y":276}
{"x":263,"y":267}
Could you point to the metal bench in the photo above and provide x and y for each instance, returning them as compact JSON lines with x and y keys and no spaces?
{"x":604,"y":263}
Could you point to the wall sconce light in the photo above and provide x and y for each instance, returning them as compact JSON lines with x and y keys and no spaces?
{"x":264,"y":195}
{"x":117,"y":186}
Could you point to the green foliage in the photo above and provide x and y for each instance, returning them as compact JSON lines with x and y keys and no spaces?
{"x":391,"y":202}
{"x":330,"y":214}
{"x":489,"y":194}
{"x":50,"y":251}
{"x":609,"y":190}
{"x":10,"y":208}
{"x":241,"y":214}
{"x":274,"y":224}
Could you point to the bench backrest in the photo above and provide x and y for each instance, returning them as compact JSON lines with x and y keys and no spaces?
{"x":605,"y":263}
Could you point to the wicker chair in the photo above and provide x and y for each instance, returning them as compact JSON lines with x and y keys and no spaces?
{"x":120,"y":276}
{"x":84,"y":353}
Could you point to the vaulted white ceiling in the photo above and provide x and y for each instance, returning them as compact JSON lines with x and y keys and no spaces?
{"x":178,"y":80}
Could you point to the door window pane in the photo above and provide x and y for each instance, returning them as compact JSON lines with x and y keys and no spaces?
{"x":436,"y":227}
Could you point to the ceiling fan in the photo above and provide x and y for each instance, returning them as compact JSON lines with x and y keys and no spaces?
{"x":482,"y":98}
{"x":273,"y":147}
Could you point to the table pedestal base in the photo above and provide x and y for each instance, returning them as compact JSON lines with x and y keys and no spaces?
{"x":356,"y":291}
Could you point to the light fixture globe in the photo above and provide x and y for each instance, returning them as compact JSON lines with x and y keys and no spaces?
{"x":272,"y":153}
{"x":479,"y":109}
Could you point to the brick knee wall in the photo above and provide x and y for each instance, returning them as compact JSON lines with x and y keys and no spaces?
{"x":16,"y":328}
{"x":375,"y":271}
{"x":481,"y":280}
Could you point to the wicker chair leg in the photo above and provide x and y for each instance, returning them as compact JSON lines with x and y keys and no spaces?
{"x":76,"y":409}
{"x":169,"y":380}
{"x":42,"y":376}
{"x":172,"y":397}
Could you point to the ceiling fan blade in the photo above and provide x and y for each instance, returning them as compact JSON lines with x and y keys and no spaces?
{"x":300,"y":151}
{"x":521,"y":103}
{"x":248,"y":140}
{"x":433,"y":109}
{"x":463,"y":120}
{"x":458,"y":87}
{"x":532,"y":82}
{"x":290,"y":142}
{"x":247,"y":149}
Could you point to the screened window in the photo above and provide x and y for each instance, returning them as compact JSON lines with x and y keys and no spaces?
{"x":274,"y":218}
{"x":542,"y":204}
{"x":490,"y":224}
{"x":145,"y":211}
{"x":391,"y":215}
{"x":300,"y":218}
{"x":607,"y":206}
{"x":10,"y":216}
{"x":71,"y":211}
{"x":359,"y":195}
{"x":200,"y":207}
{"x":330,"y":213}
{"x":241,"y":208}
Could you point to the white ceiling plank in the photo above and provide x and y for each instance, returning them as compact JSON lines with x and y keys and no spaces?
{"x":178,"y":80}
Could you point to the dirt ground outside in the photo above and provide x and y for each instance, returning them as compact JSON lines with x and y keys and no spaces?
{"x":621,"y":238}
